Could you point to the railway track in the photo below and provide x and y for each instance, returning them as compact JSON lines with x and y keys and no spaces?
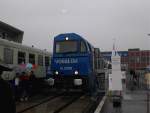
{"x":53,"y":104}
{"x":61,"y":108}
{"x":84,"y":104}
{"x":36,"y":104}
{"x":78,"y":106}
{"x":65,"y":103}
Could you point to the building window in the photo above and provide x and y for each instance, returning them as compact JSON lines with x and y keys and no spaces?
{"x":21,"y":57}
{"x":40,"y":60}
{"x":137,"y":59}
{"x":132,"y":59}
{"x":32,"y":58}
{"x":4,"y":35}
{"x":143,"y":59}
{"x":8,"y":56}
{"x":47,"y":61}
{"x":148,"y":60}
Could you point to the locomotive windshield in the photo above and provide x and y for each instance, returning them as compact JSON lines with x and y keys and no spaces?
{"x":68,"y":46}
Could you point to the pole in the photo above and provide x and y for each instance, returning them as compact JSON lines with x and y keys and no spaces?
{"x":148,"y":81}
{"x":147,"y":101}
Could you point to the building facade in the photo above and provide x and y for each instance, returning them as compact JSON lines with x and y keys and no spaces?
{"x":122,"y":54}
{"x":133,"y":59}
{"x":10,"y":33}
{"x":138,"y":59}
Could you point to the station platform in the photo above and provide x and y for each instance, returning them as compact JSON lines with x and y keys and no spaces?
{"x":133,"y":102}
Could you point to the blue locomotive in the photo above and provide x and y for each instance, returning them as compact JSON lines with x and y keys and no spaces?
{"x":74,"y":62}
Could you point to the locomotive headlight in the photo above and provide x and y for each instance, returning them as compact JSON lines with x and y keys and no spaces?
{"x":67,"y":38}
{"x":76,"y":72}
{"x":56,"y":72}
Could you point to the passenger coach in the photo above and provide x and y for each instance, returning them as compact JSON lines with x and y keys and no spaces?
{"x":14,"y":54}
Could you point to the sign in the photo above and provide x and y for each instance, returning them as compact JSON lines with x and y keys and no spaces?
{"x":66,"y":61}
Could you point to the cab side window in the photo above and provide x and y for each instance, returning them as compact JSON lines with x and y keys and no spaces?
{"x":83,"y":47}
{"x":89,"y":48}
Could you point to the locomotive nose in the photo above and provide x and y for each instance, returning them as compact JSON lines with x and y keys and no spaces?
{"x":66,"y":66}
{"x":68,"y":70}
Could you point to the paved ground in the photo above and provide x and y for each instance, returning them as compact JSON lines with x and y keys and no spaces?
{"x":133,"y":102}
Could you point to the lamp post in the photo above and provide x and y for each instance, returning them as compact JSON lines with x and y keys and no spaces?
{"x":148,"y":80}
{"x":147,"y":77}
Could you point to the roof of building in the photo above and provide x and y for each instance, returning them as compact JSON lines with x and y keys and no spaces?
{"x":11,"y":28}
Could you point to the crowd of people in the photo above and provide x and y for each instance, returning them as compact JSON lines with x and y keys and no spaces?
{"x":7,"y":98}
{"x":21,"y":88}
{"x":24,"y":85}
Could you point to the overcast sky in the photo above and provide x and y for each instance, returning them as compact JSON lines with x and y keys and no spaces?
{"x":99,"y":21}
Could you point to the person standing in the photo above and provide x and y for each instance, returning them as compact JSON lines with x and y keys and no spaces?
{"x":7,"y":98}
{"x":17,"y":88}
{"x":32,"y":80}
{"x":24,"y":84}
{"x":117,"y":101}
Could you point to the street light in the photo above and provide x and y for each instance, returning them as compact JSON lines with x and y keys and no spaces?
{"x":147,"y":77}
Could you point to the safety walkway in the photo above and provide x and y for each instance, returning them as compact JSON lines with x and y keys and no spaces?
{"x":133,"y":102}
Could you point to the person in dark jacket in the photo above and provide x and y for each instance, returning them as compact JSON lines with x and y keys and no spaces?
{"x":117,"y":103}
{"x":32,"y":80}
{"x":17,"y":86}
{"x":24,"y":84}
{"x":7,"y":98}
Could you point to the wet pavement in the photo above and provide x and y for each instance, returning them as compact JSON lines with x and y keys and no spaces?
{"x":133,"y":102}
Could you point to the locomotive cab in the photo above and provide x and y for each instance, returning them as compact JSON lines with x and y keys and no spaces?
{"x":72,"y":61}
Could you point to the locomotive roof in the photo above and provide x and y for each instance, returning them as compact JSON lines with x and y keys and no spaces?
{"x":69,"y":35}
{"x":72,"y":36}
{"x":20,"y":46}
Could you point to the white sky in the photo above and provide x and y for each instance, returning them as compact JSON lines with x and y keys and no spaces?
{"x":99,"y":21}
